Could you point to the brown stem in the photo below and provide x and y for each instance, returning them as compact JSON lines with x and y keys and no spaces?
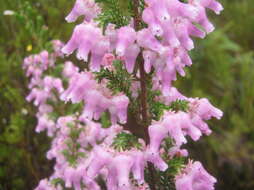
{"x":143,"y":97}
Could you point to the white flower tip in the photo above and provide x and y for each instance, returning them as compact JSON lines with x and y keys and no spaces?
{"x":8,"y":12}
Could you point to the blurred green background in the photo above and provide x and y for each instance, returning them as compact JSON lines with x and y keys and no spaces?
{"x":223,"y":71}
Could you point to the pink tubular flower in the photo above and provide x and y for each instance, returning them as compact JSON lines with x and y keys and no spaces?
{"x":100,"y":48}
{"x":45,"y":123}
{"x":88,"y":8}
{"x":173,"y":123}
{"x":119,"y":109}
{"x":100,"y":159}
{"x":78,"y":87}
{"x":91,"y":135}
{"x":201,"y":17}
{"x":126,"y":36}
{"x":149,"y":58}
{"x":146,"y":40}
{"x":157,"y":133}
{"x":177,"y":8}
{"x":130,"y":57}
{"x":72,"y":176}
{"x":46,"y":185}
{"x":182,"y":32}
{"x":174,"y":95}
{"x":159,"y":9}
{"x":111,"y":34}
{"x":154,"y":25}
{"x":206,"y":111}
{"x":156,"y":160}
{"x":194,"y":177}
{"x":138,"y":166}
{"x":213,"y":5}
{"x":108,"y":59}
{"x":39,"y":96}
{"x":87,"y":37}
{"x":69,"y":69}
{"x":176,"y":151}
{"x":50,"y":83}
{"x":57,"y":46}
{"x":123,"y":165}
{"x":94,"y":102}
{"x":84,"y":37}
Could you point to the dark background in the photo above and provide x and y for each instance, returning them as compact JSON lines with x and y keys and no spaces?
{"x":223,"y":71}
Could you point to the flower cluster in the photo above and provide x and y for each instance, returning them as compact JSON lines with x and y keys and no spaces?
{"x":97,"y":98}
{"x":73,"y":107}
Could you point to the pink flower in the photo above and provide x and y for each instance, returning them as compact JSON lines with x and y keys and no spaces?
{"x":182,"y":32}
{"x":94,"y":102}
{"x":123,"y":165}
{"x":108,"y":59}
{"x":138,"y":166}
{"x":45,"y":123}
{"x":156,"y":160}
{"x":172,"y":122}
{"x":118,"y":110}
{"x":130,"y":57}
{"x":79,"y":84}
{"x":194,"y":177}
{"x":135,"y":87}
{"x":99,"y":49}
{"x":111,"y":34}
{"x":88,"y":8}
{"x":176,"y":151}
{"x":157,"y":133}
{"x":201,"y":17}
{"x":213,"y":5}
{"x":146,"y":40}
{"x":179,"y":9}
{"x":69,"y":69}
{"x":172,"y":96}
{"x":149,"y":58}
{"x":91,"y":135}
{"x":154,"y":25}
{"x":205,"y":109}
{"x":159,"y":9}
{"x":84,"y":37}
{"x":100,"y":159}
{"x":39,"y":96}
{"x":50,"y":83}
{"x":57,"y":46}
{"x":46,"y":185}
{"x":126,"y":36}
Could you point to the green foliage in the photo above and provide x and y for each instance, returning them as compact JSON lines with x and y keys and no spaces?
{"x":119,"y":80}
{"x":57,"y":181}
{"x":125,"y":141}
{"x":72,"y":153}
{"x":165,"y":180}
{"x":21,"y":34}
{"x":157,"y":108}
{"x":116,"y":12}
{"x":105,"y":120}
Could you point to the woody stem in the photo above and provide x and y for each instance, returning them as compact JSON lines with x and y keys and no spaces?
{"x":143,"y":97}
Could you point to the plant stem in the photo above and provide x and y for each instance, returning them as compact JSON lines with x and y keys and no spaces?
{"x":143,"y":97}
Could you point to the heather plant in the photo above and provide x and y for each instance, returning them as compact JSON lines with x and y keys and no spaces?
{"x":24,"y":30}
{"x":116,"y":120}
